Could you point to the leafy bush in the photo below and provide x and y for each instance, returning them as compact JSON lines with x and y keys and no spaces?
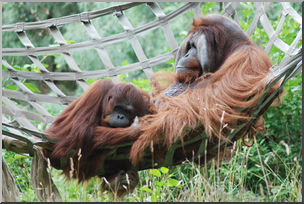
{"x":281,"y":144}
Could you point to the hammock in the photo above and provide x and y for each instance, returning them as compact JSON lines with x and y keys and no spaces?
{"x":22,"y":136}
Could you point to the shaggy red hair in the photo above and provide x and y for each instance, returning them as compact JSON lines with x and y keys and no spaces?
{"x":213,"y":103}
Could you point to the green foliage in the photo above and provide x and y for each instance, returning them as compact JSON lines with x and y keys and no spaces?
{"x":20,"y":167}
{"x":285,"y":121}
{"x":14,"y":12}
{"x":161,"y":180}
{"x":281,"y":144}
{"x":209,"y":7}
{"x":9,"y":84}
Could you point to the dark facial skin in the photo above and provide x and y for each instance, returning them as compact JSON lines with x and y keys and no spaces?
{"x":122,"y":116}
{"x":207,"y":45}
{"x":192,"y":58}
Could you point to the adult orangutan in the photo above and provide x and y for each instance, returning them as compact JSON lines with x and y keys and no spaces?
{"x":105,"y":104}
{"x":219,"y":71}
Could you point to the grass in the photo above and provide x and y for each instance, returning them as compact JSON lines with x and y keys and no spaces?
{"x":226,"y":182}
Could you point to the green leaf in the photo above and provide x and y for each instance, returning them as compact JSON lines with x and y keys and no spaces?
{"x":19,"y":156}
{"x":108,"y":78}
{"x":70,"y":41}
{"x":17,"y":67}
{"x":9,"y":159}
{"x":270,"y":114}
{"x":183,"y":33}
{"x":11,"y":87}
{"x":144,"y":188}
{"x":33,"y":66}
{"x":122,"y":77}
{"x":125,"y":63}
{"x":32,"y":87}
{"x":26,"y":66}
{"x":153,"y":198}
{"x":3,"y":67}
{"x":53,"y":55}
{"x":155,"y":172}
{"x":160,"y":183}
{"x":173,"y":183}
{"x":90,"y":81}
{"x":164,"y":170}
{"x":191,"y":13}
{"x":45,"y":65}
{"x":36,"y":70}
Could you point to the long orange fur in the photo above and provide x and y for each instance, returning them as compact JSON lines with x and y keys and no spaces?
{"x":74,"y":127}
{"x":239,"y":72}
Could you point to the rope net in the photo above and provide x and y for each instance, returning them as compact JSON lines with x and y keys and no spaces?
{"x":21,"y":123}
{"x":40,"y":114}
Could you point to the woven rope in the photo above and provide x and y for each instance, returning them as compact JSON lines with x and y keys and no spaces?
{"x":25,"y":118}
